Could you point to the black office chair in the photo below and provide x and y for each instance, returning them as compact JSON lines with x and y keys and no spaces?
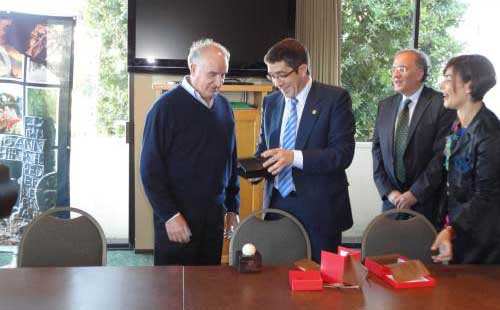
{"x":9,"y":191}
{"x":410,"y":237}
{"x":51,"y":241}
{"x":280,"y":241}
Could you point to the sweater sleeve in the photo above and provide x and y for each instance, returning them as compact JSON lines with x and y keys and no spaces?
{"x":232,"y":199}
{"x":156,"y":141}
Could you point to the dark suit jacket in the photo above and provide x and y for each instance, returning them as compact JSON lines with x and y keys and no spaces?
{"x":326,"y":139}
{"x":474,"y":191}
{"x":423,"y":157}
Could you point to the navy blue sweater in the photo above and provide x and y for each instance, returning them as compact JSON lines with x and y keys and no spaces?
{"x":188,"y":158}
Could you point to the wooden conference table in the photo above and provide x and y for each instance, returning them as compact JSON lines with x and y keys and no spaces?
{"x":110,"y":288}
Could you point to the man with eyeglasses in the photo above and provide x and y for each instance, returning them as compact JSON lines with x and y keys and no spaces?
{"x":408,"y":139}
{"x":188,"y":163}
{"x":307,"y":136}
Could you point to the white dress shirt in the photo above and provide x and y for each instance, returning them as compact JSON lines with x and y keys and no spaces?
{"x":186,"y":84}
{"x":414,"y":100}
{"x":298,"y":160}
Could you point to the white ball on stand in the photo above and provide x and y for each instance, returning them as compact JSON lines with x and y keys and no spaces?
{"x":248,"y":249}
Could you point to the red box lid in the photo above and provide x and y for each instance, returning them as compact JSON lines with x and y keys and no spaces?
{"x":305,"y":280}
{"x":333,"y":265}
{"x":355,"y":253}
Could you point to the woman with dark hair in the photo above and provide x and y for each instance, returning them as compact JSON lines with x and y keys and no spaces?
{"x":472,"y":234}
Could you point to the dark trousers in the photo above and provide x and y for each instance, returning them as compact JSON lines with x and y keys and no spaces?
{"x":204,"y":247}
{"x":327,"y":240}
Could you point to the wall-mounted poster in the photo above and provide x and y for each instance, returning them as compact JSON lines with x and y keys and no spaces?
{"x":11,"y":59}
{"x":35,"y":87}
{"x":48,"y":53}
{"x":11,"y":106}
{"x":43,"y":102}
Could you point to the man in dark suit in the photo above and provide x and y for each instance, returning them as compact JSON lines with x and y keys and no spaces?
{"x":409,"y":137}
{"x":307,"y":136}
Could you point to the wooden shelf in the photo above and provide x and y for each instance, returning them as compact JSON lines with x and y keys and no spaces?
{"x":225,"y":88}
{"x":259,"y":91}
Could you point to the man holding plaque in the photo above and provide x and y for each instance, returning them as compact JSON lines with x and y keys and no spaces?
{"x":307,"y":137}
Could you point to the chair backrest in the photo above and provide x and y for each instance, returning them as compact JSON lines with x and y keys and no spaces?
{"x":51,"y":241}
{"x":411,"y":237}
{"x":279,"y":241}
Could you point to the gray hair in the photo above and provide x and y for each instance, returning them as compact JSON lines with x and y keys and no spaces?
{"x":197,"y":48}
{"x":423,"y":61}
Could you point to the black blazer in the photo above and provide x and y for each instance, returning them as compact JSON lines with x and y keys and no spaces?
{"x":326,"y":139}
{"x":423,"y":157}
{"x":474,"y":191}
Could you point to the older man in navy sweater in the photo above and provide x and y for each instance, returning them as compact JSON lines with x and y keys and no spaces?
{"x":188,"y":163}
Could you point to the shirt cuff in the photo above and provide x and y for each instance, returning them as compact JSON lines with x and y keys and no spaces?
{"x":174,"y":216}
{"x":298,"y":159}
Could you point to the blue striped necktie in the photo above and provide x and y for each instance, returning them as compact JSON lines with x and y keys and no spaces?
{"x":285,"y":181}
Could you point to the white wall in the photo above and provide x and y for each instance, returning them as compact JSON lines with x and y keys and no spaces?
{"x":365,"y":201}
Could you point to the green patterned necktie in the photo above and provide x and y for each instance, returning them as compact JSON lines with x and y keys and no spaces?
{"x":400,"y":137}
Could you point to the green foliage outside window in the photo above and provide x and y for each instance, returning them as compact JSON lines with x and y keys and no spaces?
{"x":372,"y":31}
{"x":109,"y":20}
{"x":43,"y":102}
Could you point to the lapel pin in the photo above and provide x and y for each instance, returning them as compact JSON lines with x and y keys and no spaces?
{"x":314,"y":112}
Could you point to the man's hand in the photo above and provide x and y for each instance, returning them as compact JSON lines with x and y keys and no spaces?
{"x":277,"y":160}
{"x":231,"y":221}
{"x":178,"y":230}
{"x":393,"y":196}
{"x":406,"y":200}
{"x":443,"y":243}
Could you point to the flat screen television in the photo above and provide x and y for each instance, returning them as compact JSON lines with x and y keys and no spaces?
{"x":160,"y":32}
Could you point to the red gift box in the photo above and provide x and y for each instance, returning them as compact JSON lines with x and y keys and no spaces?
{"x":333,"y":265}
{"x":305,"y":280}
{"x":343,"y":251}
{"x":380,"y":267}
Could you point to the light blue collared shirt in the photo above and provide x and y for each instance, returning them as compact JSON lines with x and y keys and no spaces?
{"x":298,"y":159}
{"x":186,"y":83}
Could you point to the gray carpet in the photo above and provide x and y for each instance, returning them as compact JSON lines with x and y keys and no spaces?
{"x":128,"y":258}
{"x":114,"y":258}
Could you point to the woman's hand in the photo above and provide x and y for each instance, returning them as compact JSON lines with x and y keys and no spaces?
{"x":443,"y":243}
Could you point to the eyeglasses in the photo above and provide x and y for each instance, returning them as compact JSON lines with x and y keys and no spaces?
{"x":400,"y":69}
{"x":280,"y":75}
